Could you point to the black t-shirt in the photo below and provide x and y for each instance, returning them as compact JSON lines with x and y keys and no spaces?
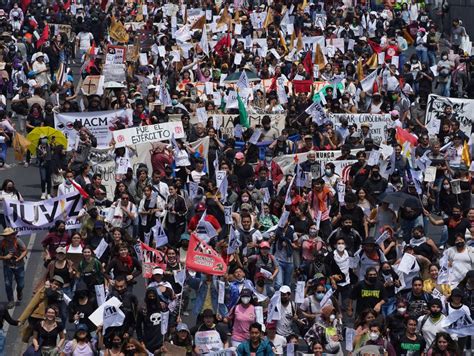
{"x":301,"y":226}
{"x":367,"y":296}
{"x":357,"y":215}
{"x":48,"y":338}
{"x":453,"y":228}
{"x":407,"y":347}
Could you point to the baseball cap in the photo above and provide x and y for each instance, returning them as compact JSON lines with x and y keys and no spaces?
{"x":58,"y":279}
{"x":394,"y":113}
{"x":239,"y":155}
{"x":285,"y":289}
{"x":82,"y":327}
{"x":201,"y":207}
{"x":264,"y":244}
{"x":61,"y":249}
{"x":182,"y":327}
{"x":157,"y":270}
{"x":246,"y":293}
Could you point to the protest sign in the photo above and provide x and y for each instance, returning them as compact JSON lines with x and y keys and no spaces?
{"x":463,"y":110}
{"x":207,"y":341}
{"x":203,"y":258}
{"x":113,"y":316}
{"x":377,"y":122}
{"x":97,"y":317}
{"x":148,"y":134}
{"x":102,"y":162}
{"x":151,"y":258}
{"x":116,"y":55}
{"x":101,"y":124}
{"x":28,"y":217}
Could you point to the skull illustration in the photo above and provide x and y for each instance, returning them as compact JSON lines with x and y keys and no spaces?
{"x":155,"y":318}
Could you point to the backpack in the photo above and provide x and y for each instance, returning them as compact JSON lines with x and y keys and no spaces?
{"x":373,"y":350}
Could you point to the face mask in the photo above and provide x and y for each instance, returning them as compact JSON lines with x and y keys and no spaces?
{"x":459,"y":244}
{"x":319,"y":296}
{"x":268,"y":159}
{"x":313,"y":232}
{"x":44,"y":141}
{"x":9,"y":189}
{"x":250,"y":186}
{"x":402,"y":310}
{"x":446,"y":186}
{"x":116,"y":343}
{"x":341,"y":247}
{"x":346,"y":228}
{"x":456,"y":215}
{"x":245,"y":300}
{"x":174,"y":102}
{"x":260,"y":282}
{"x":445,"y":58}
{"x":372,"y":280}
{"x":328,"y":172}
{"x":61,"y":230}
{"x":245,"y":199}
{"x":81,"y":294}
{"x":435,"y":314}
{"x":375,"y":174}
{"x":373,"y":336}
{"x":68,"y":182}
{"x":386,"y":272}
{"x":94,"y":214}
{"x":332,"y":317}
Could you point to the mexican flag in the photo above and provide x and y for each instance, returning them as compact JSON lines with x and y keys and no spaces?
{"x":244,"y":117}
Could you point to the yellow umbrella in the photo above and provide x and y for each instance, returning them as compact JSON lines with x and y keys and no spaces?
{"x":55,"y":137}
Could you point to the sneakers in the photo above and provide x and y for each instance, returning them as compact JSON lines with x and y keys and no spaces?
{"x":10,"y":305}
{"x":43,"y":196}
{"x":48,"y":196}
{"x":26,"y":165}
{"x":19,"y":295}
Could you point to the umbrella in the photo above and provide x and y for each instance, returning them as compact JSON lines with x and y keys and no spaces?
{"x":400,"y":199}
{"x":234,"y":77}
{"x":55,"y":137}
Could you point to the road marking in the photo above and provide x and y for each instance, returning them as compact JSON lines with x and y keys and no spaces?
{"x":28,"y":248}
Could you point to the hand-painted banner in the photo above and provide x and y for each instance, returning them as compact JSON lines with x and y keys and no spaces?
{"x":28,"y":217}
{"x":148,"y":134}
{"x":101,"y":124}
{"x":151,"y":258}
{"x":377,"y":123}
{"x":463,"y":110}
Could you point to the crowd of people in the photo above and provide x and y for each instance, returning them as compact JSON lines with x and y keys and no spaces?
{"x":368,"y":251}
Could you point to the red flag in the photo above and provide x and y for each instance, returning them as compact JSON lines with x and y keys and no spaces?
{"x":91,"y":53}
{"x":24,"y":4}
{"x":308,"y":63}
{"x":375,"y":46}
{"x":44,"y":36}
{"x":79,"y":188}
{"x":273,"y":85}
{"x":33,"y":23}
{"x":203,"y":258}
{"x":403,"y":136}
{"x":67,"y":5}
{"x":103,"y":4}
{"x":223,"y":42}
{"x":302,"y":86}
{"x":150,"y":259}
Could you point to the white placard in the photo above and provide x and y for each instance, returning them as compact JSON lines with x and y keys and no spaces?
{"x":100,"y":293}
{"x":97,"y":317}
{"x":201,"y":114}
{"x":456,"y":186}
{"x":165,"y":317}
{"x":221,"y":291}
{"x":430,"y":174}
{"x":237,"y":29}
{"x":148,"y":134}
{"x":299,"y":296}
{"x":259,"y":315}
{"x":100,"y":249}
{"x":374,"y":158}
{"x":228,"y":214}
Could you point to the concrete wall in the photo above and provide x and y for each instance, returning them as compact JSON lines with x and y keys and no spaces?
{"x":464,"y":10}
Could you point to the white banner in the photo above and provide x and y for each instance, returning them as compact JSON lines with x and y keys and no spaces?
{"x":377,"y":123}
{"x":148,"y":134}
{"x":287,"y":162}
{"x":103,"y":163}
{"x":28,"y":217}
{"x":226,"y":122}
{"x":463,"y":110}
{"x":100,"y":123}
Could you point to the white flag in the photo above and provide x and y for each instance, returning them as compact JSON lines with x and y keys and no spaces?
{"x":113,"y":316}
{"x":317,"y":113}
{"x":234,"y":242}
{"x":243,"y":81}
{"x":159,"y":234}
{"x":203,"y":43}
{"x":164,"y":96}
{"x":274,"y":308}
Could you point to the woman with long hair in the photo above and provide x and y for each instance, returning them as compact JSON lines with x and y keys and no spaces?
{"x":124,"y":265}
{"x":46,"y":333}
{"x":241,"y":316}
{"x":443,"y":345}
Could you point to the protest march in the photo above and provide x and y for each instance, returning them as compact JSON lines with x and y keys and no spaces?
{"x":236,"y":178}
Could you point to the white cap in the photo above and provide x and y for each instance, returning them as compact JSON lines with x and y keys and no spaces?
{"x":157,"y":270}
{"x":285,"y":289}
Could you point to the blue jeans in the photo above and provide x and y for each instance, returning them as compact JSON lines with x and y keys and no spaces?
{"x":45,"y":176}
{"x":422,"y":56}
{"x":389,"y":307}
{"x":2,"y":342}
{"x":285,"y":272}
{"x":446,"y":88}
{"x":8,"y":274}
{"x":431,"y":58}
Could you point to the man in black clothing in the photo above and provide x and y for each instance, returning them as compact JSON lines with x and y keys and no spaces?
{"x":242,"y":170}
{"x":417,"y":299}
{"x":375,"y":184}
{"x":208,"y":324}
{"x":369,"y":293}
{"x":350,"y":235}
{"x":351,"y":209}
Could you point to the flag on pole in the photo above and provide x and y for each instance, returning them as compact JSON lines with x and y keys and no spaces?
{"x":200,"y":23}
{"x":203,"y":258}
{"x":203,"y":43}
{"x":319,"y":59}
{"x":44,"y":36}
{"x":224,"y":42}
{"x":243,"y":81}
{"x":164,"y":95}
{"x":466,"y":155}
{"x":308,"y":63}
{"x":79,"y":189}
{"x":244,"y":117}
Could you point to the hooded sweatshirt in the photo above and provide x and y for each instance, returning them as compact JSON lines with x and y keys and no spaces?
{"x":149,"y":322}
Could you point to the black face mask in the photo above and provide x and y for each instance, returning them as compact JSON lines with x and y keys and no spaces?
{"x":81,"y":294}
{"x":460,"y":244}
{"x":386,"y":272}
{"x":94,"y":214}
{"x":260,"y":282}
{"x":436,"y":314}
{"x":372,"y":280}
{"x":456,"y":215}
{"x":346,"y":228}
{"x":116,"y":344}
{"x":61,"y":231}
{"x":375,"y":174}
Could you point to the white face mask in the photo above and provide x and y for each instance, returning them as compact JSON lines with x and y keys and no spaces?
{"x":373,"y":336}
{"x":341,"y":247}
{"x":332,"y":317}
{"x":402,"y":310}
{"x":245,"y":300}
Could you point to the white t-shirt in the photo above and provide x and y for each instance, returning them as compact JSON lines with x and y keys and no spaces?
{"x":286,"y":321}
{"x":84,"y":39}
{"x":279,"y":344}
